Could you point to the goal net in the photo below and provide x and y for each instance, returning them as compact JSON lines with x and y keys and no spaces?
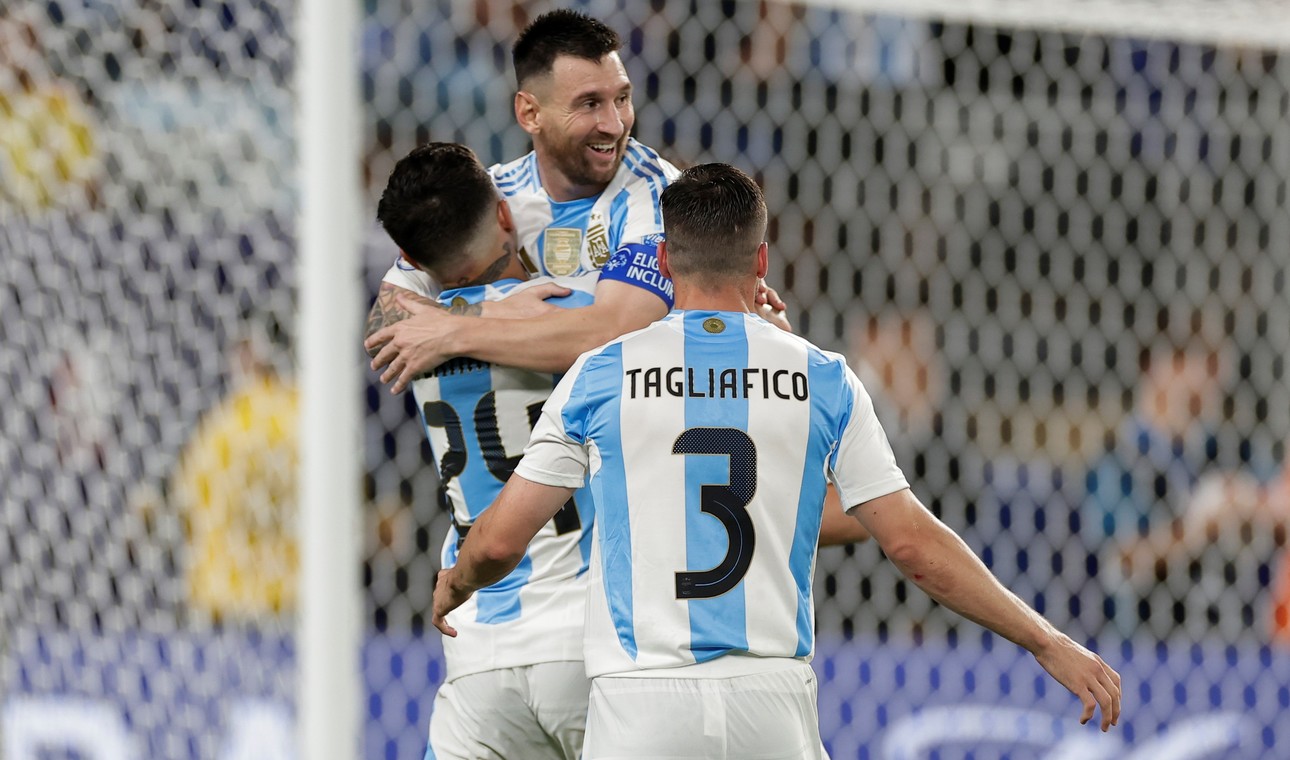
{"x":1051,"y":238}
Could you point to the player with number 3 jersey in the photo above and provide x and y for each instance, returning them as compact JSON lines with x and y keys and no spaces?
{"x":690,"y":436}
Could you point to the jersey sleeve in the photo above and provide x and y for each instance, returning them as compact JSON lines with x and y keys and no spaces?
{"x":635,"y":260}
{"x":648,"y":175}
{"x":556,"y":454}
{"x":637,"y":264}
{"x":863,"y":467}
{"x":408,"y":277}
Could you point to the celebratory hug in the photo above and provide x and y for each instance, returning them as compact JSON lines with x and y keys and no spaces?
{"x":639,"y":457}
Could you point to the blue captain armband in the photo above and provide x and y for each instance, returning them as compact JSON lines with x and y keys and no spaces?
{"x":637,"y":264}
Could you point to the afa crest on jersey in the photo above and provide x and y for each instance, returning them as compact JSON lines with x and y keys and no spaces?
{"x":597,"y":240}
{"x":561,"y":250}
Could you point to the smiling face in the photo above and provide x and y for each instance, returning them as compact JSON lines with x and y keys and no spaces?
{"x":580,"y":116}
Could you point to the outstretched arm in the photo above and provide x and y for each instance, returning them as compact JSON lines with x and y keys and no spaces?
{"x":547,"y":343}
{"x":935,"y":558}
{"x":496,"y":543}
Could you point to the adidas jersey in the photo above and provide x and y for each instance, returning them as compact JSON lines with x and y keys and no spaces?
{"x":477,"y":418}
{"x":706,"y":440}
{"x":618,"y":229}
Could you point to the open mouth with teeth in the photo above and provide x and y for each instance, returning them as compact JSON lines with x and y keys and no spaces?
{"x":604,"y":149}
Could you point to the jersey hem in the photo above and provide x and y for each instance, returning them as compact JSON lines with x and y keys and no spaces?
{"x":726,"y":666}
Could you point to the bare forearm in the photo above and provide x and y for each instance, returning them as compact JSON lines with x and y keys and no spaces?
{"x":484,"y":558}
{"x":499,"y":537}
{"x":948,"y":571}
{"x":544,"y":343}
{"x":496,"y":543}
{"x":481,"y":570}
{"x":548,"y":343}
{"x":474,"y":570}
{"x":935,"y":558}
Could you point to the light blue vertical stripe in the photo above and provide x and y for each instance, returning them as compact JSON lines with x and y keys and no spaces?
{"x":575,"y":213}
{"x":825,"y":381}
{"x":717,"y":625}
{"x":499,"y":602}
{"x":594,"y":412}
{"x":617,"y":219}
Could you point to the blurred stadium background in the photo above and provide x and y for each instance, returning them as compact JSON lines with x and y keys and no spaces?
{"x":1053,"y":237}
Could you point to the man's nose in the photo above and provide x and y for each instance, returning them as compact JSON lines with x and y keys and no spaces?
{"x":609,"y":120}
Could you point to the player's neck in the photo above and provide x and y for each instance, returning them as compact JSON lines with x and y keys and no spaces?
{"x":717,"y":297}
{"x":560,"y":188}
{"x":499,"y":262}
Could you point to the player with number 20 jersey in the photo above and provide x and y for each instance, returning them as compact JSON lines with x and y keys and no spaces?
{"x":478,"y":417}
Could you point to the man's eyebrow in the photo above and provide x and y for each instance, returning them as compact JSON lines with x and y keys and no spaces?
{"x":598,"y":91}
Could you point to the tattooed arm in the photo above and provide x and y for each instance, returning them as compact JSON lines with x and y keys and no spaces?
{"x":386,"y":310}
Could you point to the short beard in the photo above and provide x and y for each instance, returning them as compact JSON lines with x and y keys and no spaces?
{"x":577,"y":170}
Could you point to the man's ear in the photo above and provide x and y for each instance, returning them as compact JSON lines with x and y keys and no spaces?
{"x":504,"y":218}
{"x":663,"y":268}
{"x":528,"y":112}
{"x":763,"y":259}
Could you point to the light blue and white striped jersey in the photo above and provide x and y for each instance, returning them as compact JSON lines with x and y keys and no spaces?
{"x":707,"y":439}
{"x":616,"y":231}
{"x":477,"y":417}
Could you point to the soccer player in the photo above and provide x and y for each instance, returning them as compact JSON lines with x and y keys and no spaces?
{"x":515,"y":684}
{"x":706,"y":440}
{"x":585,"y":199}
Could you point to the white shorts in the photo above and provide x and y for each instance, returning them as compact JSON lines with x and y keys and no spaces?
{"x":767,"y":716}
{"x":535,"y":711}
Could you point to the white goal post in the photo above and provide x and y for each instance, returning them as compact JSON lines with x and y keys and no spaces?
{"x":329,"y":642}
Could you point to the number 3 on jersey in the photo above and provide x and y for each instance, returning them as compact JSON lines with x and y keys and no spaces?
{"x":452,"y":464}
{"x":726,"y":503}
